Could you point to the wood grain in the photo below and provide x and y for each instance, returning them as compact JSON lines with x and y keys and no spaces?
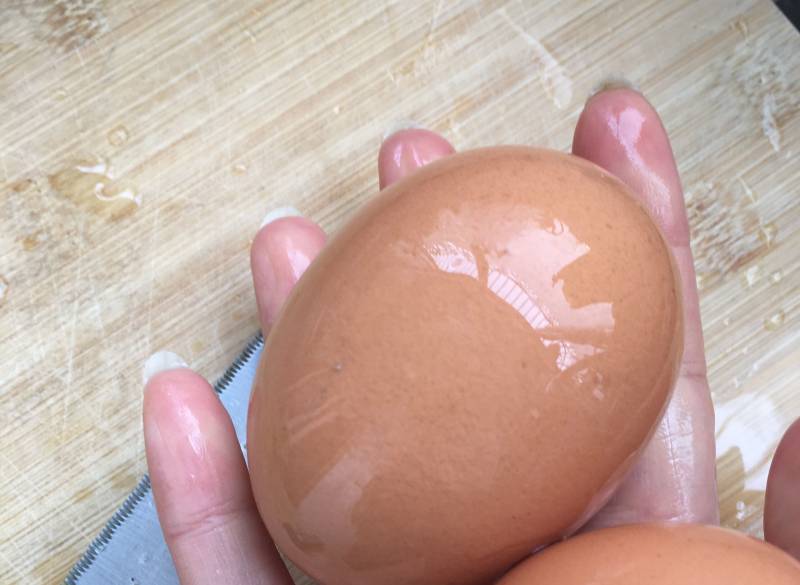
{"x":141,"y":143}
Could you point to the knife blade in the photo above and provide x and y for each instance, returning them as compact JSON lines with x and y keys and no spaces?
{"x":130,"y":549}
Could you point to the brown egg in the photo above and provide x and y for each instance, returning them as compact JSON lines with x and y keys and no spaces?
{"x":465,"y":373}
{"x":659,"y":554}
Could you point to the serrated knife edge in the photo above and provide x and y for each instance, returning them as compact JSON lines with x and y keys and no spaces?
{"x":143,"y":488}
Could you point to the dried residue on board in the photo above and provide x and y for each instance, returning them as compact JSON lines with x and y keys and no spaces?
{"x":757,"y":73}
{"x":66,"y":24}
{"x":92,"y":186}
{"x":727,"y":231}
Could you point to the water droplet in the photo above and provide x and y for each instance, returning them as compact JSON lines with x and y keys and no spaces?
{"x":3,"y":289}
{"x":239,"y":169}
{"x":30,"y":241}
{"x":726,"y":321}
{"x":336,"y":110}
{"x":774,"y":321}
{"x":752,"y":275}
{"x":23,"y":185}
{"x":741,"y":26}
{"x":776,"y":277}
{"x":736,"y":383}
{"x":337,"y":367}
{"x":558,"y":227}
{"x":767,"y":233}
{"x":597,"y":393}
{"x":741,"y":510}
{"x":118,"y":135}
{"x":700,"y":281}
{"x":60,"y":94}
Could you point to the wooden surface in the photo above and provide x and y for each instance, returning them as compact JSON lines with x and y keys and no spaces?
{"x":142,"y":142}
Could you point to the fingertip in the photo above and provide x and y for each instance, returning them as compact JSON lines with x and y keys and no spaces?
{"x":611,"y":129}
{"x":177,"y":403}
{"x":179,"y":381}
{"x":600,"y":118}
{"x":201,"y":487}
{"x":281,"y":251}
{"x":407,"y":150}
{"x":620,"y":131}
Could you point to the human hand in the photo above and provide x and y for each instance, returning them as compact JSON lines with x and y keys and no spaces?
{"x":199,"y":478}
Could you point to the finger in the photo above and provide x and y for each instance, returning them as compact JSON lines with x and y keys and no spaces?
{"x":284,"y":248}
{"x":675,"y":478}
{"x":201,"y":487}
{"x":782,"y":504}
{"x":408,"y":150}
{"x":281,"y":252}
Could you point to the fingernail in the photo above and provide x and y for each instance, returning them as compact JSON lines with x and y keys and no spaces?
{"x":278,"y":213}
{"x":161,"y":361}
{"x":279,"y":256}
{"x":612,"y":82}
{"x":406,"y":151}
{"x":399,"y":125}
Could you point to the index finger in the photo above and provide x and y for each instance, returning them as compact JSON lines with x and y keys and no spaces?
{"x":201,"y":488}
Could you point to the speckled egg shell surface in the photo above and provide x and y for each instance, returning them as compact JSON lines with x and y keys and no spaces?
{"x":465,"y":372}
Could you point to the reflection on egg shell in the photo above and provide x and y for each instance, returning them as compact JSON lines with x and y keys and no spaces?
{"x":466,"y":371}
{"x":659,"y":554}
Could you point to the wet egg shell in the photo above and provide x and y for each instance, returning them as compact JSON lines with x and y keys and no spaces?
{"x":659,"y":554}
{"x":465,"y":372}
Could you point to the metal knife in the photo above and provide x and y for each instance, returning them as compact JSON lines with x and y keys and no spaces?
{"x":130,"y":549}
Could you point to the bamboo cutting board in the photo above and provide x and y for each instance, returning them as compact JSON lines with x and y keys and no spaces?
{"x":142,"y":142}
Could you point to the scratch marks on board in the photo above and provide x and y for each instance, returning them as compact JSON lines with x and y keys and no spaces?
{"x":434,"y":22}
{"x":768,"y":124}
{"x":9,"y":562}
{"x":3,"y":288}
{"x":72,"y":331}
{"x":555,"y":81}
{"x":41,"y":496}
{"x":758,"y":75}
{"x":425,"y":57}
{"x":152,"y":279}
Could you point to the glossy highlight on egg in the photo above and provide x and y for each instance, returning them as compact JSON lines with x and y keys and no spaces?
{"x":465,"y":373}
